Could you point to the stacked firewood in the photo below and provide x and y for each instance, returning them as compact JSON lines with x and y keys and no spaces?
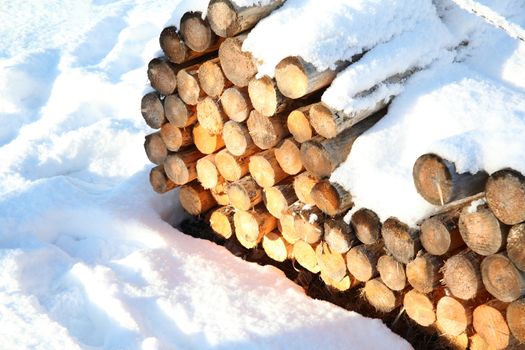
{"x":253,"y":156}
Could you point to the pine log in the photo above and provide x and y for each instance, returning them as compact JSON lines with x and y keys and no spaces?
{"x":348,"y":282}
{"x":278,"y":198}
{"x":266,"y":132}
{"x":219,"y":193}
{"x":505,"y":191}
{"x":276,"y":247}
{"x":440,"y":235}
{"x":195,"y":199}
{"x":286,"y":226}
{"x":298,"y":122}
{"x":516,"y":319}
{"x":244,"y":193}
{"x":321,"y":156}
{"x":188,"y":86}
{"x":419,"y":307}
{"x":210,"y":115}
{"x":176,"y":50}
{"x":392,"y":272}
{"x":159,"y":181}
{"x":227,"y":19}
{"x":501,"y":278}
{"x":305,"y":256}
{"x":453,"y":316}
{"x":332,"y":264}
{"x":362,"y":260}
{"x":400,"y":240}
{"x":381,"y":297}
{"x":480,"y":229}
{"x":162,"y":76}
{"x":155,"y":148}
{"x":181,"y":167}
{"x":231,"y":168}
{"x":264,"y":96}
{"x":206,"y":142}
{"x":338,"y":235}
{"x":221,"y":221}
{"x":438,"y":182}
{"x":175,"y":138}
{"x":211,"y":78}
{"x":178,"y":113}
{"x":238,"y":66}
{"x":265,"y":170}
{"x":207,"y":172}
{"x":423,"y":273}
{"x":196,"y":32}
{"x":237,"y":138}
{"x":476,"y":342}
{"x":489,"y":322}
{"x":366,"y":225}
{"x":516,"y":245}
{"x":236,"y":103}
{"x":303,"y":184}
{"x":462,"y":275}
{"x":308,"y":224}
{"x":251,"y":226}
{"x":288,"y":155}
{"x":152,"y":110}
{"x":331,"y":197}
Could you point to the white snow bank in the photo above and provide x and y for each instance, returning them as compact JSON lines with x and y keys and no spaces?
{"x":252,"y":2}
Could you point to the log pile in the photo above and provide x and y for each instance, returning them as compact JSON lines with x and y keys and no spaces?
{"x":253,"y":156}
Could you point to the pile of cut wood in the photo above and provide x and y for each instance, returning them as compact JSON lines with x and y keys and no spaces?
{"x":254,"y":155}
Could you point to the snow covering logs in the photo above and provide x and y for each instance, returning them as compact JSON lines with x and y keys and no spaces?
{"x":253,"y":155}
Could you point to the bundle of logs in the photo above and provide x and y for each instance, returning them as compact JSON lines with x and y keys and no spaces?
{"x":253,"y":157}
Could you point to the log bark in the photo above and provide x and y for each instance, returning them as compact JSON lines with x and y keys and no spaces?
{"x":438,"y":182}
{"x":265,"y":96}
{"x":400,"y":240}
{"x":298,"y":122}
{"x":237,"y":139}
{"x":419,"y":308}
{"x":162,"y":76}
{"x":381,"y":297}
{"x":228,"y":19}
{"x":303,"y":184}
{"x":221,"y":221}
{"x":305,"y":256}
{"x":362,"y":260}
{"x":206,"y":142}
{"x":155,"y":148}
{"x":175,"y":138}
{"x":278,"y":198}
{"x":196,"y":32}
{"x":207,"y":172}
{"x":515,"y":316}
{"x":453,"y":316}
{"x":276,"y":247}
{"x":178,"y":113}
{"x":331,"y":264}
{"x":211,"y":78}
{"x":392,"y":272}
{"x":159,"y":180}
{"x":505,"y":191}
{"x":152,"y":110}
{"x":176,"y":50}
{"x":195,"y":199}
{"x":251,"y":226}
{"x":244,"y":193}
{"x":440,"y":235}
{"x":516,"y":245}
{"x":331,"y":197}
{"x":265,"y":170}
{"x":231,"y":168}
{"x":489,"y":322}
{"x":502,"y":279}
{"x":181,"y":167}
{"x":366,"y":225}
{"x":238,"y":66}
{"x":308,"y":224}
{"x":288,"y":155}
{"x":338,"y":235}
{"x":462,"y":275}
{"x":188,"y":86}
{"x":266,"y":132}
{"x":236,"y":103}
{"x":211,"y":116}
{"x":423,"y":273}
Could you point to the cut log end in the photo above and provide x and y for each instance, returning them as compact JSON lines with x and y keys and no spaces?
{"x":481,"y":231}
{"x":462,"y":275}
{"x":211,"y":79}
{"x":221,"y":221}
{"x":288,"y":155}
{"x":152,"y":110}
{"x":244,"y":193}
{"x":501,"y":278}
{"x":380,"y":296}
{"x":331,"y":198}
{"x":452,"y":316}
{"x":159,"y":180}
{"x":265,"y":170}
{"x":276,"y":247}
{"x":299,"y":125}
{"x":392,"y":272}
{"x":195,"y":199}
{"x":236,"y":104}
{"x":172,"y":45}
{"x":489,"y":322}
{"x":516,"y":246}
{"x":339,"y":235}
{"x":205,"y":141}
{"x":423,"y":273}
{"x":222,"y":18}
{"x":291,"y":77}
{"x":188,"y":87}
{"x":307,"y":224}
{"x":277,"y":199}
{"x":316,"y":159}
{"x":178,"y":113}
{"x":419,"y":308}
{"x":251,"y":226}
{"x":196,"y":32}
{"x":207,"y":172}
{"x":400,"y":240}
{"x":516,"y":319}
{"x":237,"y":138}
{"x":238,"y":66}
{"x":162,"y":76}
{"x":362,"y":261}
{"x":436,"y":237}
{"x":155,"y":148}
{"x":322,"y":120}
{"x":180,"y":167}
{"x":264,"y":96}
{"x":175,"y":138}
{"x":505,"y":191}
{"x":231,"y":168}
{"x":266,"y":132}
{"x":211,"y":116}
{"x":332,"y":264}
{"x":303,"y":184}
{"x":305,"y":256}
{"x":366,"y":225}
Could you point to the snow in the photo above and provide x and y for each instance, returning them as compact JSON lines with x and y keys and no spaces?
{"x":88,"y":258}
{"x":246,"y":3}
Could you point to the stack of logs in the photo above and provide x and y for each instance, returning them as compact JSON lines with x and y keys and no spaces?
{"x":254,"y":155}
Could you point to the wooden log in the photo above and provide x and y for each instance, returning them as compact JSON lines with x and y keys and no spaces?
{"x":251,"y":226}
{"x":188,"y":86}
{"x":423,"y":273}
{"x":331,"y":197}
{"x":515,"y":316}
{"x":162,"y":76}
{"x":303,"y":184}
{"x":286,"y":226}
{"x":438,"y":182}
{"x":298,"y":122}
{"x":278,"y":198}
{"x":400,"y":240}
{"x":181,"y":167}
{"x":175,"y":138}
{"x":265,"y":170}
{"x":206,"y":142}
{"x":321,"y":156}
{"x":332,"y":264}
{"x":516,"y":246}
{"x":221,"y":221}
{"x":489,"y":322}
{"x":178,"y":113}
{"x":338,"y":235}
{"x":236,"y":103}
{"x":264,"y":95}
{"x":244,"y":193}
{"x":305,"y":256}
{"x":230,"y":167}
{"x":276,"y":247}
{"x":381,"y":297}
{"x":155,"y":148}
{"x":238,"y":66}
{"x":159,"y":180}
{"x":476,"y":342}
{"x":505,"y":191}
{"x":152,"y":110}
{"x":501,"y":278}
{"x":211,"y":78}
{"x":211,"y":116}
{"x":453,"y":316}
{"x":196,"y":32}
{"x":440,"y":235}
{"x":392,"y":272}
{"x":288,"y":155}
{"x":266,"y":132}
{"x":237,"y":139}
{"x":207,"y":172}
{"x":480,"y":229}
{"x":366,"y":225}
{"x":462,"y":275}
{"x":176,"y":50}
{"x":347,"y":283}
{"x":219,"y":193}
{"x":195,"y":199}
{"x":419,"y":308}
{"x":227,"y":19}
{"x":308,"y":224}
{"x":362,"y":260}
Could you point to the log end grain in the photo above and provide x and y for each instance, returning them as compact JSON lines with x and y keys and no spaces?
{"x":211,"y":79}
{"x":266,"y":132}
{"x":206,"y":142}
{"x":339,"y":235}
{"x":162,"y":76}
{"x":288,"y":155}
{"x":244,"y":193}
{"x":172,"y":45}
{"x":188,"y":87}
{"x":236,"y":104}
{"x":400,"y":240}
{"x":380,"y":296}
{"x":178,"y":113}
{"x":315,"y":159}
{"x":322,"y":120}
{"x":305,"y":256}
{"x":366,"y":225}
{"x":423,"y":272}
{"x":452,"y":316}
{"x":419,"y":308}
{"x":331,"y":198}
{"x":292,"y":80}
{"x":462,"y":275}
{"x":303,"y":184}
{"x":152,"y":110}
{"x":265,"y":170}
{"x":299,"y":125}
{"x":516,"y":246}
{"x":155,"y":148}
{"x":210,"y":115}
{"x":490,"y":324}
{"x":276,"y":247}
{"x":236,"y":138}
{"x":433,"y":179}
{"x":436,"y":238}
{"x":505,"y":192}
{"x":195,"y":199}
{"x":231,"y":168}
{"x":481,"y":231}
{"x":159,"y":180}
{"x":221,"y":221}
{"x":207,"y":172}
{"x":196,"y":32}
{"x":331,"y":263}
{"x":392,"y":272}
{"x":516,"y":319}
{"x":222,"y":18}
{"x":361,"y":263}
{"x":263,"y":95}
{"x":238,"y":66}
{"x":175,"y":138}
{"x":501,"y":278}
